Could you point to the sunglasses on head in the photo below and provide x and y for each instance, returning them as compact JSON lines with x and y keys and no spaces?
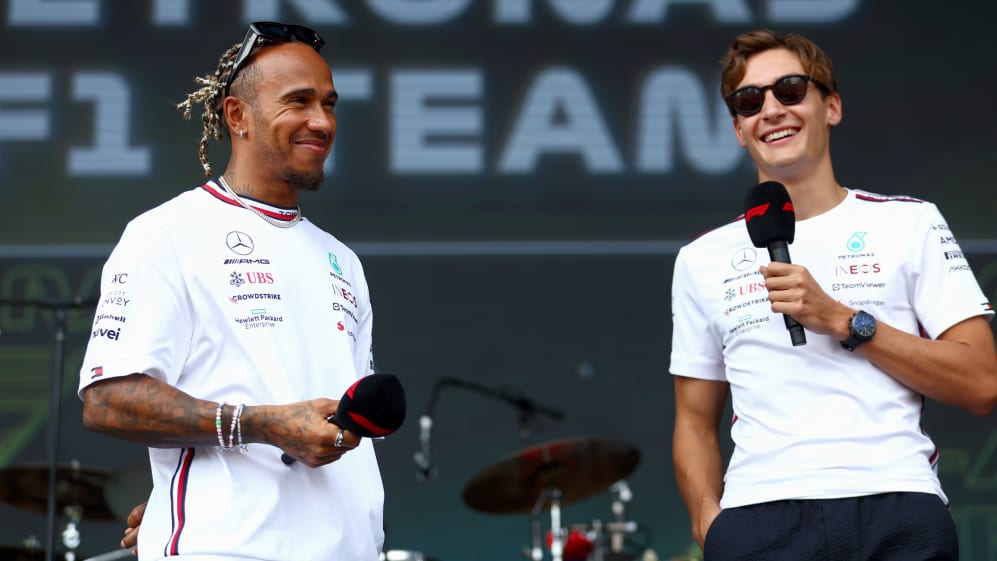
{"x":789,"y":90}
{"x":275,"y":32}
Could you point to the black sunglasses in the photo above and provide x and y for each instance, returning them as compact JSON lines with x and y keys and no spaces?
{"x":275,"y":32}
{"x":789,"y":90}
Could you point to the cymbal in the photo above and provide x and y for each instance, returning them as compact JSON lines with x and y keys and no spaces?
{"x":26,"y":486}
{"x":578,"y":467}
{"x":127,"y":488}
{"x":21,"y":553}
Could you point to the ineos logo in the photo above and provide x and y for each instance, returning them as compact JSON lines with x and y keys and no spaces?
{"x":743,"y":259}
{"x":239,"y":242}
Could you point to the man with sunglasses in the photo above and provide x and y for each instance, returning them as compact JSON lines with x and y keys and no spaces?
{"x":227,"y":326}
{"x":829,"y":460}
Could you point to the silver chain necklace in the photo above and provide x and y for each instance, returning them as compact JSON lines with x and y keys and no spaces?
{"x":267,"y":219}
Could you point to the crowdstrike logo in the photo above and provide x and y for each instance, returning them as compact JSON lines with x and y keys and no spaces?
{"x":235,"y":299}
{"x":239,"y":242}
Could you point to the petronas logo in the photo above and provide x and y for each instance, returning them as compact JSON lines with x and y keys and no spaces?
{"x":334,"y":261}
{"x":856,"y":242}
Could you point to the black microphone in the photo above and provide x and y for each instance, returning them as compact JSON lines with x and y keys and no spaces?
{"x":771,"y":222}
{"x":373,"y":406}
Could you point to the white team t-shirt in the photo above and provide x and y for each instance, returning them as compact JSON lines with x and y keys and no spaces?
{"x":816,"y":421}
{"x":204,"y":295}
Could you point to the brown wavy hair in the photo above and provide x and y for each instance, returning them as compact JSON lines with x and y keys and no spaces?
{"x":815,"y":62}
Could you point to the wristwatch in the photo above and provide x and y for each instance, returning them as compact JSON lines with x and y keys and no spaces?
{"x":861,"y":329}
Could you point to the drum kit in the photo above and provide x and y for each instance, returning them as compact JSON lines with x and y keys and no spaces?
{"x":538,"y":480}
{"x":548,"y":476}
{"x":543,"y":478}
{"x":80,"y":493}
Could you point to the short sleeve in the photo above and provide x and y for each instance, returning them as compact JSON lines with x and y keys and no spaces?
{"x":696,"y":350}
{"x":143,"y":321}
{"x":945,"y":290}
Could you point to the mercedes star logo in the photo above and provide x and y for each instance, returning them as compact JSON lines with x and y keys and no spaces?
{"x":239,"y":242}
{"x":743,"y":258}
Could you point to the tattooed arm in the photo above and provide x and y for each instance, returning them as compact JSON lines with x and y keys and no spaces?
{"x":141,"y":409}
{"x":144,"y":410}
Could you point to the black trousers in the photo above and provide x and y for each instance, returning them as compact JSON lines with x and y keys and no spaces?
{"x":887,"y":527}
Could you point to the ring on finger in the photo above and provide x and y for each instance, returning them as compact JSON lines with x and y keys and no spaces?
{"x":338,"y":443}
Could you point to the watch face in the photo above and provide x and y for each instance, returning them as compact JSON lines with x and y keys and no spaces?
{"x":863,"y":325}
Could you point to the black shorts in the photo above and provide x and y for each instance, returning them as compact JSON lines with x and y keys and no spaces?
{"x":887,"y":527}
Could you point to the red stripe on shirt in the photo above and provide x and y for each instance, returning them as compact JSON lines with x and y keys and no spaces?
{"x":179,"y":500}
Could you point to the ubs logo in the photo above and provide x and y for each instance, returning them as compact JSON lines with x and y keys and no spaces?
{"x":237,"y":279}
{"x":743,"y":258}
{"x":239,"y":242}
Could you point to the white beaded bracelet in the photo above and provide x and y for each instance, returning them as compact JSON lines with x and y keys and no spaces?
{"x":231,"y":428}
{"x":243,"y":448}
{"x":218,"y":427}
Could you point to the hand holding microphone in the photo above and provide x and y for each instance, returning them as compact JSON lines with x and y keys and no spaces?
{"x":373,"y":406}
{"x":771,"y":222}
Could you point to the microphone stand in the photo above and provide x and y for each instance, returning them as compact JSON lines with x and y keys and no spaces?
{"x":60,"y":311}
{"x":527,"y":408}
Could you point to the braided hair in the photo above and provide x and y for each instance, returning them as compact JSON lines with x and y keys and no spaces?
{"x":211,"y":94}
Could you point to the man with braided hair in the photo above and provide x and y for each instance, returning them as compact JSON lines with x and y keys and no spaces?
{"x":227,"y":320}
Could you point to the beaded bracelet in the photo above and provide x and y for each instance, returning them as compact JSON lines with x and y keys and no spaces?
{"x":236,"y":411}
{"x":243,"y":448}
{"x":218,"y":427}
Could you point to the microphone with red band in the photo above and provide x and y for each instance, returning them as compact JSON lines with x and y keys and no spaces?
{"x":373,"y":406}
{"x":771,"y":222}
